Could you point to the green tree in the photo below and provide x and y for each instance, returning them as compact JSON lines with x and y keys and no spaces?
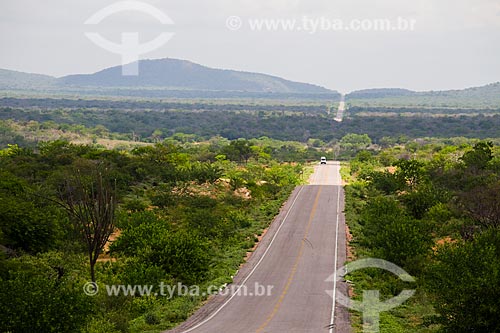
{"x":420,"y":200}
{"x":352,"y":143}
{"x":386,"y":182}
{"x":393,"y":235}
{"x":157,"y":135}
{"x":27,"y":222}
{"x":238,"y":150}
{"x":465,"y":281}
{"x":42,"y":294}
{"x":479,"y":156}
{"x":411,"y":172}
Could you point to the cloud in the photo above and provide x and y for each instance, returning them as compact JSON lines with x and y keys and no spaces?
{"x":459,"y":14}
{"x":47,"y":37}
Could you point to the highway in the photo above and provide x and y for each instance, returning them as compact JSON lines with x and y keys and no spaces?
{"x":304,"y":246}
{"x":341,"y":109}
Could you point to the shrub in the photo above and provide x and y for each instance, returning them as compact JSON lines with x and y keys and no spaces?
{"x":40,"y":294}
{"x":182,"y":254}
{"x":465,"y":279}
{"x":393,"y":235}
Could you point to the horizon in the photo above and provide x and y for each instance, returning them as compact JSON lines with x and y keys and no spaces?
{"x":427,"y":47}
{"x":238,"y":70}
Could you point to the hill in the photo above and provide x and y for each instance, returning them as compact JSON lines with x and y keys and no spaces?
{"x":379,"y":93}
{"x":487,"y":96}
{"x":19,"y":80}
{"x":176,"y":74}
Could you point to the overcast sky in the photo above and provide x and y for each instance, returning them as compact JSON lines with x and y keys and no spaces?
{"x":455,"y":43}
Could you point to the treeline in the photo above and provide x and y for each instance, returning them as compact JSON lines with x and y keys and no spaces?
{"x":419,"y":110}
{"x":174,"y":214}
{"x":159,"y":93}
{"x":487,"y":97}
{"x":435,"y":213}
{"x":277,"y":125}
{"x":110,"y":104}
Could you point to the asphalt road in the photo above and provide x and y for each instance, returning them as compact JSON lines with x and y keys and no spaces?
{"x":303,"y":247}
{"x":341,"y":109}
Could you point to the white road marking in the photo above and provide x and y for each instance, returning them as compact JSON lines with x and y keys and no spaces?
{"x":251,"y":272}
{"x":332,"y":318}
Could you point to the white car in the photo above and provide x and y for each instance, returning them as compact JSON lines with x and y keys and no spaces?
{"x":323,"y":160}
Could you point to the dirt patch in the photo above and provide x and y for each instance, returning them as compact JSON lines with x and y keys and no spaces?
{"x":243,"y":193}
{"x":113,"y":237}
{"x":350,"y":257}
{"x":442,"y":241}
{"x":350,"y":252}
{"x":105,"y":257}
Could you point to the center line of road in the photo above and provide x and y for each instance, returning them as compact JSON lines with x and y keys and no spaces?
{"x":294,"y":268}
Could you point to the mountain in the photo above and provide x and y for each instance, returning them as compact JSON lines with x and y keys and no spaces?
{"x":176,"y":74}
{"x":379,"y":93}
{"x":492,"y":89}
{"x":13,"y":80}
{"x":487,"y":96}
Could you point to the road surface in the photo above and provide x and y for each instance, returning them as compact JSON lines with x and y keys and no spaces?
{"x":301,"y":250}
{"x":341,"y":109}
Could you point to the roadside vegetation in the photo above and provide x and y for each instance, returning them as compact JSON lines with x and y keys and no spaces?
{"x":180,"y":192}
{"x":434,"y":210}
{"x":175,"y":213}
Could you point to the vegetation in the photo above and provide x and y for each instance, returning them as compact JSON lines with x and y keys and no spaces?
{"x":149,"y":192}
{"x":487,"y":96}
{"x":436,"y":215}
{"x":408,"y":111}
{"x":164,"y":213}
{"x":240,"y":121}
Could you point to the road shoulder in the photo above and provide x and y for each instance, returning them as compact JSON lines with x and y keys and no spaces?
{"x":215,"y":302}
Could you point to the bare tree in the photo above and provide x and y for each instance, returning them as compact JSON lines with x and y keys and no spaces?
{"x":482,"y":204}
{"x":90,"y":201}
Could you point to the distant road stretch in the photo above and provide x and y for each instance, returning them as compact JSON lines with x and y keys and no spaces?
{"x":341,"y":109}
{"x":302,"y":248}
